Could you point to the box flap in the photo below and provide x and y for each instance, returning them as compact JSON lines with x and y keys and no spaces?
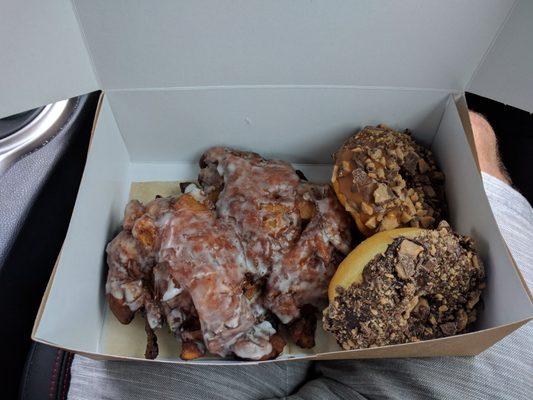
{"x":411,"y":43}
{"x":301,"y":125}
{"x":84,"y":244}
{"x":506,"y":74}
{"x":42,"y":55}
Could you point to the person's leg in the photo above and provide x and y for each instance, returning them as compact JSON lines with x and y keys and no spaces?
{"x":503,"y":371}
{"x":122,"y":380}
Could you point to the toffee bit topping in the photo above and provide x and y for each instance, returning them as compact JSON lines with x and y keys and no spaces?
{"x":418,"y":289}
{"x":383,"y":173}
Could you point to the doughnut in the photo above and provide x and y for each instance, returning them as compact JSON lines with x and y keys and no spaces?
{"x":385,"y":180}
{"x":405,"y":285}
{"x":231,"y":264}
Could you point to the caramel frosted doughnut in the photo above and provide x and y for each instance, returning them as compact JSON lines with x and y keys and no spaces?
{"x":386,"y":180}
{"x":405,"y":285}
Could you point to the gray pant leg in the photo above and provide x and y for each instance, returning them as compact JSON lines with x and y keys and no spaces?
{"x":505,"y":371}
{"x":118,"y":380}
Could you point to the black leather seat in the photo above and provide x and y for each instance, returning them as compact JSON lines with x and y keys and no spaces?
{"x":46,"y":373}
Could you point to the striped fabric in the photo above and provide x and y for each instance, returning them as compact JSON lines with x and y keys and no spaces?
{"x":505,"y":371}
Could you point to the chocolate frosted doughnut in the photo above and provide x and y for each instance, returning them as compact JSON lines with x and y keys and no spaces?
{"x":405,"y":285}
{"x":386,"y":180}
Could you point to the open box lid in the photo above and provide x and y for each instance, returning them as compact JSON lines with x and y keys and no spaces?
{"x":55,"y":50}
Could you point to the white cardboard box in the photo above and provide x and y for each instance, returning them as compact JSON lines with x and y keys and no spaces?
{"x":290,"y":80}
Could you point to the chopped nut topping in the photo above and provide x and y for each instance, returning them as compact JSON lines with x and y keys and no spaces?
{"x":409,"y":293}
{"x":409,"y":248}
{"x":402,"y":273}
{"x":426,"y":221}
{"x":400,"y":153}
{"x":474,"y":299}
{"x":448,"y":328}
{"x":375,"y":154}
{"x":462,"y":319}
{"x":410,"y":307}
{"x":389,"y":222}
{"x":410,"y":206}
{"x":381,"y":194}
{"x":429,"y":191}
{"x":371,"y":223}
{"x":423,"y":166}
{"x":399,"y":192}
{"x":405,"y":217}
{"x":367,"y":208}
